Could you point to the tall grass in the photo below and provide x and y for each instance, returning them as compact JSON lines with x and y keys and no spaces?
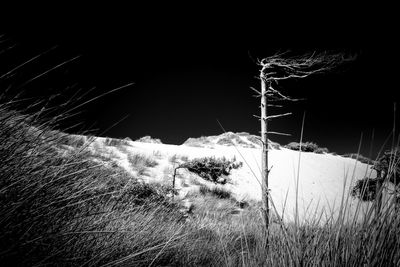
{"x":341,"y":240}
{"x":64,"y":209}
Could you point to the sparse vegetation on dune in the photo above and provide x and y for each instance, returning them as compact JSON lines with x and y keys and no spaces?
{"x":65,"y":209}
{"x":198,"y":142}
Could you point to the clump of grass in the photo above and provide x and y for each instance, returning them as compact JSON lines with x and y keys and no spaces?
{"x":178,"y":158}
{"x":215,"y":191}
{"x":115,"y":142}
{"x":142,"y":160}
{"x":185,"y":158}
{"x":173,"y":159}
{"x":76,"y":141}
{"x":157,"y":154}
{"x":141,"y":163}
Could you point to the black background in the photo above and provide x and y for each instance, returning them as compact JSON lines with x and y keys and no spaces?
{"x":194,"y":67}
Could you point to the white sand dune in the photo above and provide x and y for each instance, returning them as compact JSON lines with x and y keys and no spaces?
{"x":324,"y":179}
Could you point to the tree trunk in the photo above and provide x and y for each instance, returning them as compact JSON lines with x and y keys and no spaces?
{"x":264,"y":155}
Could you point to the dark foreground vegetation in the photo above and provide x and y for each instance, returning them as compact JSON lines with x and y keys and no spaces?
{"x":60,"y":207}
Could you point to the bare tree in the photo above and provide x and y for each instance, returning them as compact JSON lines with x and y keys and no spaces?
{"x":274,"y":69}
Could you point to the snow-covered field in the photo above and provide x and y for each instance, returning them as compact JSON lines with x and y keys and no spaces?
{"x":324,"y":180}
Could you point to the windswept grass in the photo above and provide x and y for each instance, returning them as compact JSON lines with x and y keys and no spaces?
{"x":214,"y":191}
{"x":64,"y":209}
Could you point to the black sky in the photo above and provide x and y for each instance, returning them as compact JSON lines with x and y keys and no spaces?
{"x":187,"y":73}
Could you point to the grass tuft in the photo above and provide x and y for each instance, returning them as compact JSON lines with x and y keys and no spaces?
{"x":215,"y":191}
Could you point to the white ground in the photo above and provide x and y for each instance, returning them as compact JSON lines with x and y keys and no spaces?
{"x":324,"y":179}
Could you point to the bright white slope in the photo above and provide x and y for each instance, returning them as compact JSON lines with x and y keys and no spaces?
{"x":324,"y":179}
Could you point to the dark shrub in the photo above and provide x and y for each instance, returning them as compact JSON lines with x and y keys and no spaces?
{"x":211,"y":169}
{"x":307,"y":147}
{"x":366,"y":189}
{"x":387,"y":166}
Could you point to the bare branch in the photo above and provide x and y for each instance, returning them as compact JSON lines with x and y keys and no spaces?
{"x":279,"y":115}
{"x":279,"y":96}
{"x":278,"y":133}
{"x":255,"y":90}
{"x":278,"y":67}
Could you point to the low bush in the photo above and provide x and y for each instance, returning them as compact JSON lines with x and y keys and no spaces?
{"x":307,"y":147}
{"x":211,"y":168}
{"x":366,"y":189}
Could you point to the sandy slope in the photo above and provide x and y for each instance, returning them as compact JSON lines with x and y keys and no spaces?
{"x":323,"y":178}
